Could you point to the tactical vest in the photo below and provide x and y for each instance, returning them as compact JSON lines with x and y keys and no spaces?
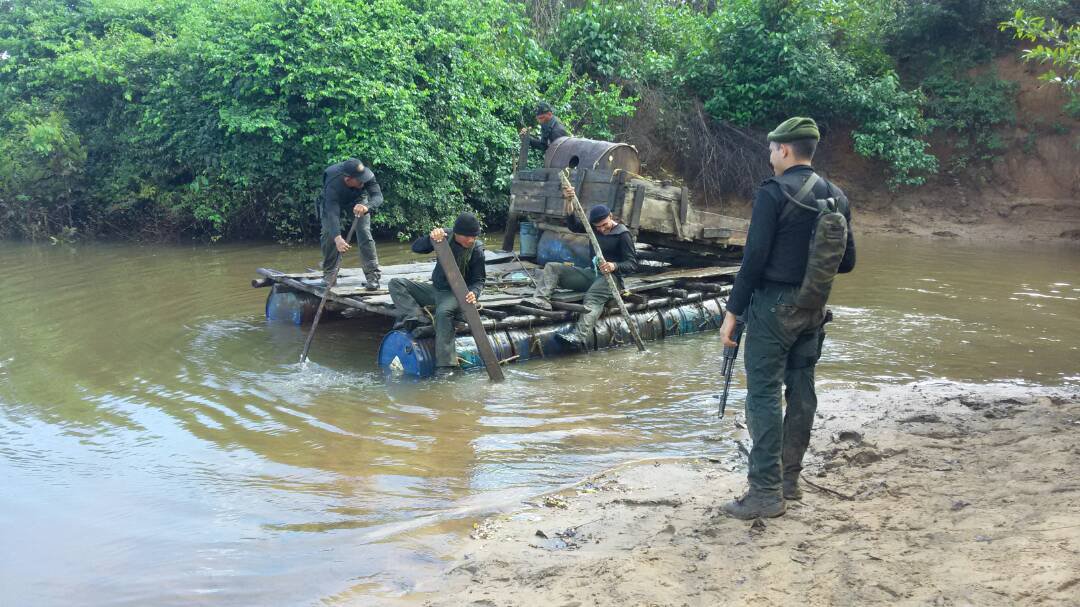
{"x":828,"y":241}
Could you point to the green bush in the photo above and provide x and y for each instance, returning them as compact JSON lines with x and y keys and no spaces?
{"x":972,"y":112}
{"x":218,"y":117}
{"x":41,"y":166}
{"x":762,"y":62}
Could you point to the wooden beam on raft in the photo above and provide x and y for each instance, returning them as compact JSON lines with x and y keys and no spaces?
{"x":476,"y":324}
{"x":512,"y":322}
{"x":569,"y":307}
{"x":710,"y":287}
{"x":351,"y":302}
{"x":538,"y":312}
{"x":492,"y":313}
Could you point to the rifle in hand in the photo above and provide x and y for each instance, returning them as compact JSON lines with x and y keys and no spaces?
{"x":728,"y":365}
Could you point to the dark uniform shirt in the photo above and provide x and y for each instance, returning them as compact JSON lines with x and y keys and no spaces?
{"x":777,"y":251}
{"x":617,"y":246}
{"x":476,"y":272}
{"x":549,"y":131}
{"x":337,"y":196}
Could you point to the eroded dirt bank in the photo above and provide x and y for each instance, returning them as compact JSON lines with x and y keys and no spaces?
{"x":932,"y":493}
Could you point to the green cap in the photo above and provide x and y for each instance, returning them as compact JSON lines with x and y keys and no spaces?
{"x":794,"y":129}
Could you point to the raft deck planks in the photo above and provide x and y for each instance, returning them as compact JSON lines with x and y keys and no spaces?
{"x":500,"y":293}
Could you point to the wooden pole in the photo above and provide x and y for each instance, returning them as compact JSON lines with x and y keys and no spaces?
{"x":614,"y":286}
{"x":322,"y":302}
{"x":511,"y":215}
{"x":476,"y":324}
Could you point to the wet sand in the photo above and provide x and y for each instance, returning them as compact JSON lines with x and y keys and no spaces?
{"x":932,"y":493}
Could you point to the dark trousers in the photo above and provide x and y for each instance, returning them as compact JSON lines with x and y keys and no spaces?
{"x":782,"y":346}
{"x":369,"y":259}
{"x":595,"y":287}
{"x":410,"y":297}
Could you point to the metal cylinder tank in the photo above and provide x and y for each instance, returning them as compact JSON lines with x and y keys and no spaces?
{"x":285,"y":305}
{"x":402,"y":353}
{"x":591,"y":154}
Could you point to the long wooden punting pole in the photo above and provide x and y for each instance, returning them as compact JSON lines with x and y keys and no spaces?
{"x":322,"y":303}
{"x":476,"y":324}
{"x":614,"y":286}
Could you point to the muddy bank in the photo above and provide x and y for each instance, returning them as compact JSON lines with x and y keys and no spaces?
{"x":988,"y":217}
{"x":927,"y":494}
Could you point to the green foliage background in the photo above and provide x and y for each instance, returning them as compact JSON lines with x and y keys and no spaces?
{"x":215,"y":118}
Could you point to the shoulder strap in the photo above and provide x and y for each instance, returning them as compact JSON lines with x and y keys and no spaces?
{"x":806,"y":188}
{"x":811,"y":181}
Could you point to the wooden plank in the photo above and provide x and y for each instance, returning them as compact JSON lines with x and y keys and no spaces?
{"x":684,"y":205}
{"x":529,"y":204}
{"x":533,"y":175}
{"x":692,"y":273}
{"x":317,"y":291}
{"x":476,"y":324}
{"x":639,"y":202}
{"x":549,"y":314}
{"x":716,"y":232}
{"x":511,"y":230}
{"x":616,"y":194}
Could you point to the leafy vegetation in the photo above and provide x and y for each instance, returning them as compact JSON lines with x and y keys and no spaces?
{"x":215,"y":118}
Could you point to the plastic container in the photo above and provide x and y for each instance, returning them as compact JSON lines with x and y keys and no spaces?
{"x":557,"y":247}
{"x":400,"y":352}
{"x":286,"y":305}
{"x":529,"y":238}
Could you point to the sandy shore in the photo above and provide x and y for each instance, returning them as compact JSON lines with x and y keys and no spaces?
{"x":928,"y":494}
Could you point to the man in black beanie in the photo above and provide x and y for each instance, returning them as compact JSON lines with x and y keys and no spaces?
{"x":344,"y":184}
{"x":618,"y":248}
{"x":409,"y":296}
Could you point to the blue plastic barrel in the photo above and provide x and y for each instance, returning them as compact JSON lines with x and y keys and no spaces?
{"x":530,"y":236}
{"x":286,"y":305}
{"x":559,"y":247}
{"x":400,"y":352}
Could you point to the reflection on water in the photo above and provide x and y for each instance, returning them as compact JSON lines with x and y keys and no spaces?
{"x":159,"y":443}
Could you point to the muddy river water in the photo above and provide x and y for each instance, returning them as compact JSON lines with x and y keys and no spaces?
{"x":160,"y":445}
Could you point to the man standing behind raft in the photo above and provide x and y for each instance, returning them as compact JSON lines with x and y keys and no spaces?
{"x":344,"y":184}
{"x":409,"y":296}
{"x":618,"y":248}
{"x":551,"y":128}
{"x":781,"y":292}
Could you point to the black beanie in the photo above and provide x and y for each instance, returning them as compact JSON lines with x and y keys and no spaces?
{"x":467,"y":225}
{"x":598,"y":213}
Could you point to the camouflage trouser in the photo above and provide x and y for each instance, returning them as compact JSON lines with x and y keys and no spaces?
{"x":597,"y":293}
{"x":409,"y":297}
{"x":782,"y":345}
{"x":369,"y":259}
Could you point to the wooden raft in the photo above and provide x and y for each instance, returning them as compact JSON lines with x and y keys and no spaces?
{"x":509,"y":282}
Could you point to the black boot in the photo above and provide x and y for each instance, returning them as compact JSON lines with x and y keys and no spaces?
{"x":791,"y":489}
{"x":755,"y":504}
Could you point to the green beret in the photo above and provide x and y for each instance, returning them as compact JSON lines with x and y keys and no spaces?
{"x":794,"y":129}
